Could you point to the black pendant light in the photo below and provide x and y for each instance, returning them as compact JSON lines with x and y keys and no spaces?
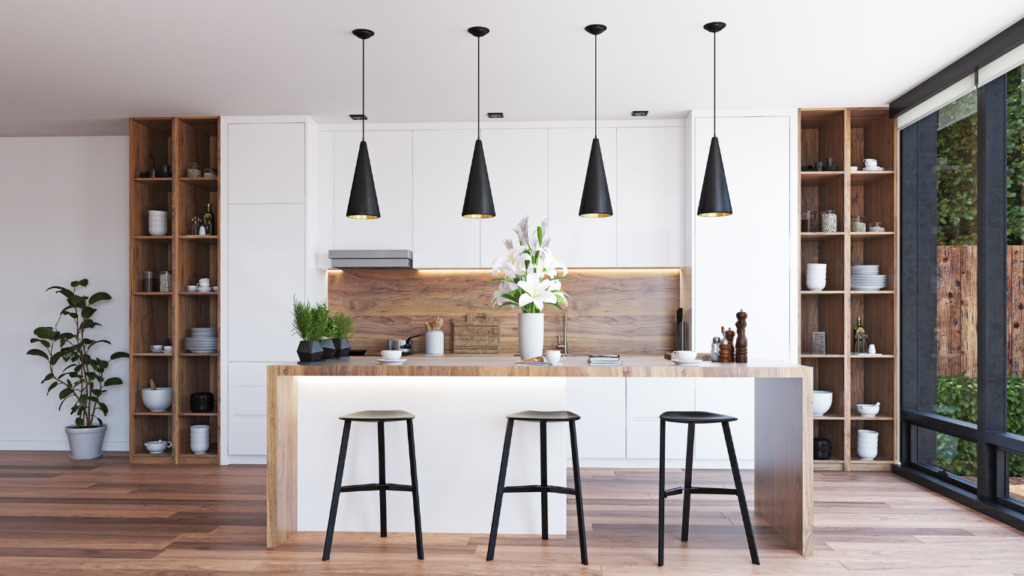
{"x":362,"y":200}
{"x":596,"y":202}
{"x":714,"y":195}
{"x":478,"y":202}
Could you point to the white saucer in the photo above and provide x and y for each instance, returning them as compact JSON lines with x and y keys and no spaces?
{"x":392,"y":362}
{"x":686,"y":362}
{"x":875,"y":169}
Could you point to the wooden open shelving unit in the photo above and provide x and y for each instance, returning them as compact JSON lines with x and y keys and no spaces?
{"x":849,"y":135}
{"x":159,"y":317}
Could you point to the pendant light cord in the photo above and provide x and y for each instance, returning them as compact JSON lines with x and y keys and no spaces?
{"x":714,"y":84}
{"x":477,"y":87}
{"x":364,"y":90}
{"x":595,"y":86}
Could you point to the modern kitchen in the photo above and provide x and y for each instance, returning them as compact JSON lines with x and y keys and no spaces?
{"x":593,"y":334}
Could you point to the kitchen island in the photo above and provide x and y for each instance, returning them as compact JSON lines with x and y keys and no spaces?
{"x":460,"y":403}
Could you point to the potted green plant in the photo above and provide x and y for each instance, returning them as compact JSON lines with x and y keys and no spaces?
{"x":75,"y":370}
{"x":340,"y":330}
{"x":309,"y":322}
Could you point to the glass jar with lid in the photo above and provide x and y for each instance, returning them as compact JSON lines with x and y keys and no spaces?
{"x":165,"y":281}
{"x":876,"y":227}
{"x":829,"y":221}
{"x":857,"y":224}
{"x":809,"y":221}
{"x":193,"y":170}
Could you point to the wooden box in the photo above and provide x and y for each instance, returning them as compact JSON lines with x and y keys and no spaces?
{"x":477,"y":334}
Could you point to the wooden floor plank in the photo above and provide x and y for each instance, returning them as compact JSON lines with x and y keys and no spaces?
{"x":106,"y":517}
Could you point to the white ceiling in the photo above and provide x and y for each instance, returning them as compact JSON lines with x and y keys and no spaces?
{"x":82,"y":68}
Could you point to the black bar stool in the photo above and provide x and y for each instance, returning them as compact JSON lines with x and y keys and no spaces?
{"x":692,"y":419}
{"x":543,"y":488}
{"x":380,"y":417}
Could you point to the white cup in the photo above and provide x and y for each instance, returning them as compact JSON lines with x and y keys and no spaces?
{"x":158,"y":446}
{"x":870,"y":162}
{"x":168,"y":349}
{"x":204,"y":282}
{"x":684,"y":355}
{"x":391,"y":355}
{"x":553,"y":356}
{"x":192,"y":288}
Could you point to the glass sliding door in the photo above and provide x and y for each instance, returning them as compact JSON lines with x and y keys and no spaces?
{"x":1015,"y":278}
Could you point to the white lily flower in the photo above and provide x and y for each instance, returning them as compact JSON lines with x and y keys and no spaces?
{"x":523,"y":230}
{"x":536,"y":290}
{"x":509,"y":262}
{"x":551,"y":264}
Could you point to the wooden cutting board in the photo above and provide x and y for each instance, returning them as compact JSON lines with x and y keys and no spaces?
{"x":477,"y":334}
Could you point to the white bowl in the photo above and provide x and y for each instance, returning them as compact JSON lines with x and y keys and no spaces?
{"x":815,"y":266}
{"x":168,"y":349}
{"x":158,"y":400}
{"x":867,"y":453}
{"x":391,"y":355}
{"x":157,"y":446}
{"x":870,"y":162}
{"x":684,"y":355}
{"x":822,"y":402}
{"x":156,"y":348}
{"x":192,"y":288}
{"x":815,"y":284}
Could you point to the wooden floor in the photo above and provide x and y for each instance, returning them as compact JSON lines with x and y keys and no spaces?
{"x":59,"y":516}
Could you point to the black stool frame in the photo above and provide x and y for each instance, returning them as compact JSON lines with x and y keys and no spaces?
{"x":543,"y":488}
{"x":381,"y":486}
{"x":688,"y":489}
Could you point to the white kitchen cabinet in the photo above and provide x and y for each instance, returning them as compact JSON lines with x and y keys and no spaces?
{"x":745,"y":260}
{"x":517,"y":163}
{"x":391,"y":162}
{"x":441,"y":237}
{"x":267,"y":163}
{"x":601,"y":405}
{"x":731,"y":396}
{"x":247,"y":408}
{"x":646,"y":400}
{"x":651,"y":181}
{"x":580,"y":242}
{"x":265,"y":271}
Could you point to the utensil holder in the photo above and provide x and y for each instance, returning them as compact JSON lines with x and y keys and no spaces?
{"x":435,"y":343}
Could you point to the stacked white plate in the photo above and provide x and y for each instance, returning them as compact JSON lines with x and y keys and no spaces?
{"x":201,"y":341}
{"x":200,"y":439}
{"x":865,"y":278}
{"x":157,"y":223}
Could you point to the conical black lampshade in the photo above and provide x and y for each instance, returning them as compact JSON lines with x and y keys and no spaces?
{"x":478,"y":203}
{"x":362,"y":201}
{"x":714,"y":195}
{"x":597,"y":202}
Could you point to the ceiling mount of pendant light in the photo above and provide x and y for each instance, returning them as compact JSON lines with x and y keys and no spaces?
{"x":596,"y":202}
{"x":478,"y":202}
{"x":714,"y":195}
{"x":362,"y":200}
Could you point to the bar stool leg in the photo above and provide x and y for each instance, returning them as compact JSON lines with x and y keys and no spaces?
{"x":740,"y":495}
{"x":580,"y":523}
{"x":688,"y":483}
{"x":383,"y":492}
{"x":661,"y":498}
{"x":543,"y":480}
{"x":337,"y":491}
{"x":415,"y":491}
{"x":501,"y":491}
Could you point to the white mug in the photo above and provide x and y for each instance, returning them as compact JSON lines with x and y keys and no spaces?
{"x":684,"y":355}
{"x":204,"y":282}
{"x":553,"y":356}
{"x":158,"y":446}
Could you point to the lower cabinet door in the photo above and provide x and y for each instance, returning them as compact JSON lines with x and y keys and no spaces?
{"x":247,"y":409}
{"x":734,"y":397}
{"x":646,"y":400}
{"x":601,"y":405}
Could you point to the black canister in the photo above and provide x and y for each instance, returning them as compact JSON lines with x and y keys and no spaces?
{"x":201,"y":402}
{"x":822,"y":449}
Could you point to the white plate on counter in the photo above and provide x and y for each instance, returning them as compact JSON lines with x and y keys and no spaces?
{"x":392,"y":362}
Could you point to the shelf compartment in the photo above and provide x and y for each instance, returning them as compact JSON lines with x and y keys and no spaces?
{"x":152,"y":322}
{"x":147,"y":430}
{"x":875,"y":200}
{"x":197,"y":260}
{"x":822,"y":135}
{"x":823,"y":314}
{"x":835,"y":432}
{"x":886,"y":441}
{"x":872,"y":135}
{"x":829,"y":376}
{"x":878,"y":313}
{"x":830,"y":253}
{"x":872,"y":382}
{"x":198,"y":141}
{"x":184,"y":433}
{"x":192,"y":201}
{"x":152,"y":145}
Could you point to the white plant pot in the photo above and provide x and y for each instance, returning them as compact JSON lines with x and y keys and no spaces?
{"x":435,"y":343}
{"x":531,"y":335}
{"x":86,"y":442}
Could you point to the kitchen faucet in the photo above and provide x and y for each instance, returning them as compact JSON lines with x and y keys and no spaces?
{"x":563,"y":341}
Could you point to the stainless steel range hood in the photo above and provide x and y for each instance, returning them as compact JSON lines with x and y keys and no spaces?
{"x":371,"y":259}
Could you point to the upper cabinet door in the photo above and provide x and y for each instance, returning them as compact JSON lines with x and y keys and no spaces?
{"x":743,"y":260}
{"x":441,"y":237}
{"x":580,"y":242}
{"x":517,"y":163}
{"x":650,"y":222}
{"x":265,"y":271}
{"x":267,"y":163}
{"x":391,"y":162}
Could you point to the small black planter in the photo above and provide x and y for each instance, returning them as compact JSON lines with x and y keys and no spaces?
{"x":341,"y":348}
{"x":309,"y":352}
{"x":328,"y":347}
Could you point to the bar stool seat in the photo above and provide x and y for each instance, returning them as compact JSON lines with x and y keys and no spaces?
{"x":542,"y":418}
{"x":691,"y":419}
{"x":382,"y":486}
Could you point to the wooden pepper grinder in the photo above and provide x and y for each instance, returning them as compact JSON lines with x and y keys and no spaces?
{"x":741,"y":337}
{"x":725,"y":356}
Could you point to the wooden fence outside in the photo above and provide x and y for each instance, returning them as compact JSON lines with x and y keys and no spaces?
{"x":957,"y":310}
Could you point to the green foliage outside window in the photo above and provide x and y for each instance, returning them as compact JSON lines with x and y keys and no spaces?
{"x":958,"y":398}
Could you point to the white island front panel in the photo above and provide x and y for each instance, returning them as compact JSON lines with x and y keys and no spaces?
{"x":459,"y":433}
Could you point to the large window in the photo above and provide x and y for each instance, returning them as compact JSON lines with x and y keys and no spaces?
{"x":962,"y":303}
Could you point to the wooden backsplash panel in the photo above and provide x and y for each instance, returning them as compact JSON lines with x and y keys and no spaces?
{"x":610,"y":311}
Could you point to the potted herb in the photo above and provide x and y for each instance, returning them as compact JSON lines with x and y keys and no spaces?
{"x":340,"y":330}
{"x":75,"y":370}
{"x":528,"y":279}
{"x":309,"y":322}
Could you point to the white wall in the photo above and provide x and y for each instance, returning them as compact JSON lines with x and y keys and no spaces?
{"x":64,"y":203}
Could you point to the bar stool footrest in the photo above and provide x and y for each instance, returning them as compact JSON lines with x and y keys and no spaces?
{"x":679,"y":490}
{"x":376,"y":487}
{"x":541,"y":488}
